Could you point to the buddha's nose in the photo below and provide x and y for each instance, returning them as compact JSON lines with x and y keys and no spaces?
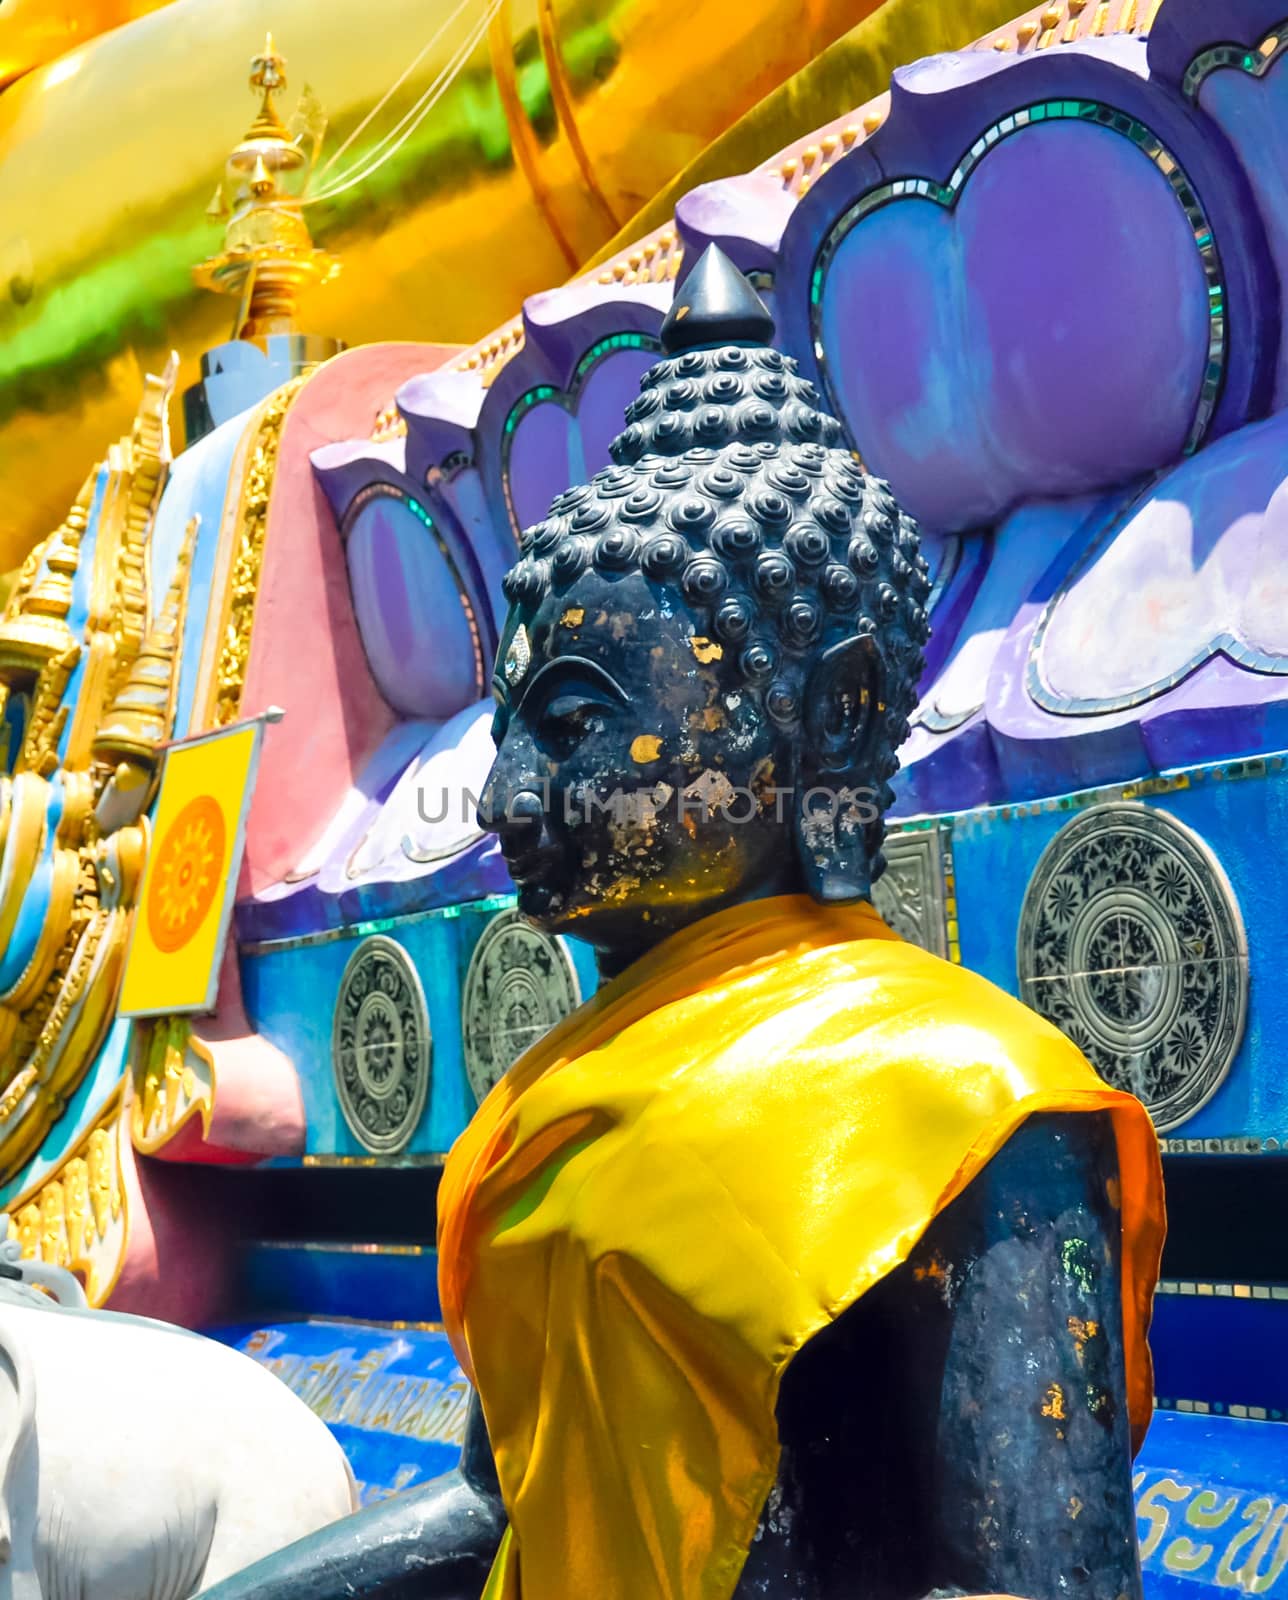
{"x":517,"y":816}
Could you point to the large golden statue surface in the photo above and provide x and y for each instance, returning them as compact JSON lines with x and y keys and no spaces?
{"x":489,"y":150}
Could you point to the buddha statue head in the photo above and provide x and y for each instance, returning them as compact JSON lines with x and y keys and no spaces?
{"x":711,"y":652}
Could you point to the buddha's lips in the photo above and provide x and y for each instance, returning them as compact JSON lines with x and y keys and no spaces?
{"x":530,"y":866}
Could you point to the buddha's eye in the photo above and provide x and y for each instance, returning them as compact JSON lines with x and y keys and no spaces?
{"x":565,"y":721}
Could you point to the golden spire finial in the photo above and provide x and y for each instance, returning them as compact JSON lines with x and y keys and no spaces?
{"x":268,"y":256}
{"x":267,"y":73}
{"x":52,"y":594}
{"x":36,"y":629}
{"x":143,"y":460}
{"x":139,"y":718}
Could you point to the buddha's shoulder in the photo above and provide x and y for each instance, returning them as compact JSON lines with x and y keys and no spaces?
{"x":885,"y":982}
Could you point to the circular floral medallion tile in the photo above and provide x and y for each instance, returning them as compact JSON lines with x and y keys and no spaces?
{"x":1131,"y":942}
{"x":381,"y":1046}
{"x":519,"y":984}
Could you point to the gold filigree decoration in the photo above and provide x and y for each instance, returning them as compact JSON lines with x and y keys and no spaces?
{"x":252,"y":526}
{"x":15,"y":602}
{"x":141,"y":714}
{"x":174,"y":1072}
{"x":48,"y":714}
{"x":77,"y":1217}
{"x":141,"y":466}
{"x":34,"y":630}
{"x":78,"y":1003}
{"x":55,"y":1016}
{"x":173,"y":1082}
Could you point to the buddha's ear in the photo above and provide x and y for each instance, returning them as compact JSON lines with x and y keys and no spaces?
{"x":837,"y":785}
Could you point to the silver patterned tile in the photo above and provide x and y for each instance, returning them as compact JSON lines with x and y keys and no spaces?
{"x":913,"y":894}
{"x":1131,"y":942}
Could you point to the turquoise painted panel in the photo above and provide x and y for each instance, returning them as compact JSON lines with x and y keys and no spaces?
{"x":291,"y":995}
{"x":291,"y":990}
{"x":583,"y":960}
{"x":435,"y":947}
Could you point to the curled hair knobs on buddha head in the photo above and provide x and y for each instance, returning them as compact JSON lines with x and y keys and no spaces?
{"x":733,"y":487}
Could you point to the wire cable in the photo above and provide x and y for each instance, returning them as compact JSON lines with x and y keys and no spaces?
{"x":398,"y":136}
{"x":394,"y":87}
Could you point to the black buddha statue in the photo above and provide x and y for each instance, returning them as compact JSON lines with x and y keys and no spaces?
{"x":798,"y":1264}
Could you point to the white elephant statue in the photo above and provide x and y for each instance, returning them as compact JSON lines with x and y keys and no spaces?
{"x":142,"y":1462}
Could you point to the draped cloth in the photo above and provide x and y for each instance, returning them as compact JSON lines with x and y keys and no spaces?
{"x":670,"y":1193}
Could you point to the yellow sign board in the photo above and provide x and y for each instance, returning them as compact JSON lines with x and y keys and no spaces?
{"x":186,"y":898}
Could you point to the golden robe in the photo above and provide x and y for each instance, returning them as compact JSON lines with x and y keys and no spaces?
{"x":677,"y":1187}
